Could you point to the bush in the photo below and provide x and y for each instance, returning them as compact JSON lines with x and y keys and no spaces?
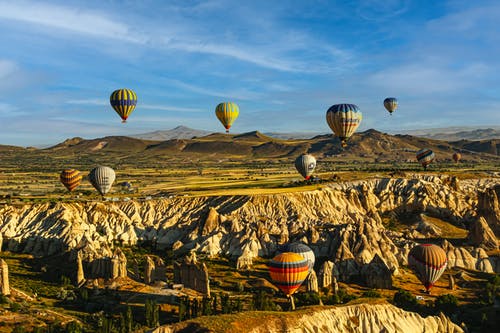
{"x":372,"y":293}
{"x":405,"y":300}
{"x":446,"y":303}
{"x":309,"y":298}
{"x":263,"y":302}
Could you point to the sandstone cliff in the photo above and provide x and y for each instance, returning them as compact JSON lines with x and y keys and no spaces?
{"x":341,"y":222}
{"x":364,"y":318}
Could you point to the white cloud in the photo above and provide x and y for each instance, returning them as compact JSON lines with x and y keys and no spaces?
{"x":7,"y":68}
{"x":66,"y":18}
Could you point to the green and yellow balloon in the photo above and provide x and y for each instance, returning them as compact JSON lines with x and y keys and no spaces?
{"x":123,"y":102}
{"x":227,"y":112}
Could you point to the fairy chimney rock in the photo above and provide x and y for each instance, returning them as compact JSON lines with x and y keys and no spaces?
{"x":4,"y":278}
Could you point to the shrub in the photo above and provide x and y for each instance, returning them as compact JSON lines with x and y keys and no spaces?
{"x":309,"y":298}
{"x":405,"y":300}
{"x":446,"y":303}
{"x":372,"y":293}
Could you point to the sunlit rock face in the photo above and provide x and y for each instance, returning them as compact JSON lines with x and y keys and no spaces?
{"x":341,"y":223}
{"x":362,"y":318}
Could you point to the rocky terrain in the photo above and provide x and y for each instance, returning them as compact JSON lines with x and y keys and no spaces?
{"x":353,"y":318}
{"x":342,"y":223}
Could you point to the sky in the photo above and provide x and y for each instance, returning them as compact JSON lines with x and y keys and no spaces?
{"x":283,"y":62}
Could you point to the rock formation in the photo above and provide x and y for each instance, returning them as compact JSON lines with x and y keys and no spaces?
{"x":488,"y":206}
{"x":362,"y":318}
{"x":340,"y":222}
{"x":481,"y":235}
{"x":462,"y":257}
{"x":4,"y":278}
{"x":154,"y":270}
{"x":244,"y":262}
{"x":325,"y":274}
{"x":376,"y":274}
{"x":80,"y":274}
{"x":192,"y":274}
{"x":312,"y":282}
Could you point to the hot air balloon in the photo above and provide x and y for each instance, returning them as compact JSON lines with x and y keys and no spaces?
{"x":425,"y":157}
{"x":70,"y":178}
{"x":391,"y":104}
{"x":428,"y":261}
{"x":305,"y":165}
{"x":227,"y":113}
{"x":288,"y":270}
{"x":343,"y":119}
{"x":457,"y":157}
{"x":302,"y":249}
{"x":102,"y":178}
{"x":124,"y":102}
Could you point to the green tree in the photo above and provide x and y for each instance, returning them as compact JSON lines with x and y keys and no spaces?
{"x":448,"y":304}
{"x":405,"y":300}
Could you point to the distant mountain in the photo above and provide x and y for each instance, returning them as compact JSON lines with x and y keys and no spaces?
{"x":290,"y":136}
{"x":458,"y":133}
{"x":179,"y":132}
{"x":365,"y":146}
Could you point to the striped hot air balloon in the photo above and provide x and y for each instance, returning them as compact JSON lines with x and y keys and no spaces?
{"x":302,"y":249}
{"x":343,"y":119}
{"x":391,"y":104}
{"x":428,"y":261}
{"x":227,"y":113}
{"x":102,"y":178}
{"x":457,"y":157}
{"x":425,"y":157}
{"x":305,"y":165}
{"x":288,"y":270}
{"x":124,"y":102}
{"x":70,"y":178}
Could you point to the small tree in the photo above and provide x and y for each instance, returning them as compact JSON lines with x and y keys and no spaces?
{"x":405,"y":300}
{"x":446,"y":303}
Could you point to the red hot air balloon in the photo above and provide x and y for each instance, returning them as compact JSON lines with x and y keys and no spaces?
{"x":428,"y":261}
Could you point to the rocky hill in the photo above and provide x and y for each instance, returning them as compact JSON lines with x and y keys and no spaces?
{"x":370,"y":145}
{"x":353,"y":318}
{"x":343,"y":223}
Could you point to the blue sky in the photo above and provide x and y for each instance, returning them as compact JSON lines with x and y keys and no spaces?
{"x":283,"y":62}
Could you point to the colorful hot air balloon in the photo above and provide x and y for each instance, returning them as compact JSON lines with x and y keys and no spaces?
{"x":343,"y":119}
{"x":305,"y":165}
{"x":391,"y":104}
{"x":425,"y":157}
{"x":124,"y":102}
{"x":227,"y":113}
{"x":102,"y":178}
{"x":457,"y":157}
{"x":302,"y":249}
{"x":428,"y":261}
{"x":70,"y":178}
{"x":288,"y":270}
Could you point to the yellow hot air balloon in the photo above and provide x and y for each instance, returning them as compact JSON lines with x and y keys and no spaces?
{"x":70,"y":178}
{"x":457,"y":157}
{"x":227,"y":113}
{"x":343,"y":119}
{"x":124,"y":102}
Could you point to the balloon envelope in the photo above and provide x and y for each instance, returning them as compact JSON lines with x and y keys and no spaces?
{"x":301,"y":249}
{"x":70,"y":178}
{"x":343,"y":119}
{"x":227,"y":113}
{"x":102,"y":178}
{"x":391,"y":104}
{"x":457,"y":157}
{"x":428,"y":261}
{"x":425,"y":157}
{"x":288,"y":270}
{"x":124,"y":102}
{"x":305,"y":165}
